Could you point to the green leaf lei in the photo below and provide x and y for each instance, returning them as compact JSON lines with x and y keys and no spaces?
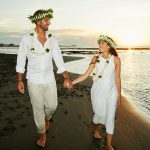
{"x":33,"y":51}
{"x":99,"y":75}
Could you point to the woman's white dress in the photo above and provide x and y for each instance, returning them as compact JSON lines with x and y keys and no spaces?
{"x":104,"y":94}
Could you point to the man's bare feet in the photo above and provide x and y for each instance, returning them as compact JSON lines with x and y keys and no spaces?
{"x":110,"y":147}
{"x":47,"y":124}
{"x":42,"y":140}
{"x":97,"y":135}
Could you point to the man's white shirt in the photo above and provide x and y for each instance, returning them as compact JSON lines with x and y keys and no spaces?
{"x":40,"y":67}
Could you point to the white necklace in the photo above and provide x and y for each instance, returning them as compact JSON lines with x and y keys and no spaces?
{"x":99,"y":75}
{"x":33,"y":50}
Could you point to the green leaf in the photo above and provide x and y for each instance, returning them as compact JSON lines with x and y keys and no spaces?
{"x":47,"y":50}
{"x":31,"y":34}
{"x":32,"y":49}
{"x":97,"y":61}
{"x":49,"y":35}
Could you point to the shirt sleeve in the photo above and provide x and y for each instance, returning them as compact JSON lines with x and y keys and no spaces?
{"x":21,"y":57}
{"x":57,"y":56}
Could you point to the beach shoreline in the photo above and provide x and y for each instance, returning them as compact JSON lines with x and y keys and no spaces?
{"x":71,"y":127}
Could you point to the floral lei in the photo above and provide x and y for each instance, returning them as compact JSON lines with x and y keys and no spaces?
{"x":33,"y":51}
{"x":99,"y":75}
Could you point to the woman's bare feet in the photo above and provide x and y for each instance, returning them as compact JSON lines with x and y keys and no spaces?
{"x":47,"y":124}
{"x":42,"y":140}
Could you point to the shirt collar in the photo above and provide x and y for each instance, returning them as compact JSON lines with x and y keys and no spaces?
{"x":35,"y":34}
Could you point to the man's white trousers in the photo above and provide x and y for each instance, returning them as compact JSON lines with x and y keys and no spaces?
{"x":44,"y":102}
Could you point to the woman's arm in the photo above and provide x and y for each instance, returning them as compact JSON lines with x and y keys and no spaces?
{"x":87,"y":73}
{"x":118,"y":78}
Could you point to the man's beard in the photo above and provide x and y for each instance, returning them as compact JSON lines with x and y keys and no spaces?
{"x":44,"y":28}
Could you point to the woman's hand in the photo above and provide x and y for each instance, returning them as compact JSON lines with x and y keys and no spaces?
{"x":68,"y":84}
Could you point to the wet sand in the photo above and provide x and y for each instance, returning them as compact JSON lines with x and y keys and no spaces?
{"x":71,"y":125}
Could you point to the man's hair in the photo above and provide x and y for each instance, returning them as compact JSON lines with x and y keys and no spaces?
{"x":40,"y":11}
{"x":37,"y":13}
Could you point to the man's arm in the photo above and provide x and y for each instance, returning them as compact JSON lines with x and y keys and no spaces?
{"x":20,"y":82}
{"x":21,"y":60}
{"x":58,"y":59}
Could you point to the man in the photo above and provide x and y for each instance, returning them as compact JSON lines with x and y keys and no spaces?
{"x":39,"y":48}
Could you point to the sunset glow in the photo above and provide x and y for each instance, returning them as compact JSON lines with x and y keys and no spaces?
{"x":127,"y":21}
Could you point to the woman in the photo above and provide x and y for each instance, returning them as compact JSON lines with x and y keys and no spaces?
{"x":106,"y":88}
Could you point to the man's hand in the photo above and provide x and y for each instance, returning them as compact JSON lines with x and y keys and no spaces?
{"x":68,"y":84}
{"x":21,"y":87}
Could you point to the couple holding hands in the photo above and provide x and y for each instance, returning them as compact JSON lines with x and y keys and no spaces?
{"x":39,"y":47}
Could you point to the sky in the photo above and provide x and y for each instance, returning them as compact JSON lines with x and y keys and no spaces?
{"x":80,"y":22}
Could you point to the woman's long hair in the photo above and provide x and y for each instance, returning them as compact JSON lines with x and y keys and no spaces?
{"x":113,"y":51}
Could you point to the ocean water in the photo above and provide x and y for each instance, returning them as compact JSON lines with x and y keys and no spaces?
{"x":135,"y":74}
{"x":8,"y":50}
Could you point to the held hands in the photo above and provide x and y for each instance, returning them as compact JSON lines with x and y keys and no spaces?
{"x":68,"y":84}
{"x":21,"y":87}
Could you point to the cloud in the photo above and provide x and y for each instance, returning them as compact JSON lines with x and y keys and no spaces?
{"x":66,"y":37}
{"x":71,"y":32}
{"x":5,"y":22}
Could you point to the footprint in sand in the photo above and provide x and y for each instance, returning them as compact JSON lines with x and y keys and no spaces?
{"x":18,"y":107}
{"x":60,"y":103}
{"x":9,"y":129}
{"x":53,"y":137}
{"x":12,"y":109}
{"x":10,"y":121}
{"x":65,"y":111}
{"x":28,"y":113}
{"x":88,"y":125}
{"x":18,"y":117}
{"x":23,"y":125}
{"x":80,"y":95}
{"x":1,"y":114}
{"x":22,"y":112}
{"x":27,"y":108}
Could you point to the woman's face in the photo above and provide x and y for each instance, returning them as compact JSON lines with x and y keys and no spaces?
{"x":104,"y":47}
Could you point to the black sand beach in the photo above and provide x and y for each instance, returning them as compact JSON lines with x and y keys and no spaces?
{"x":71,"y":125}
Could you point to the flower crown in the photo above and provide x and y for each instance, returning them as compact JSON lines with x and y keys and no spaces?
{"x":108,"y":40}
{"x":42,"y":14}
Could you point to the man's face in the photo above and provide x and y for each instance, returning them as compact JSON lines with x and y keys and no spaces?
{"x":44,"y":23}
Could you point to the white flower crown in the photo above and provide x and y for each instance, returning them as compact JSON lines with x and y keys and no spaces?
{"x":44,"y":14}
{"x":108,"y":40}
